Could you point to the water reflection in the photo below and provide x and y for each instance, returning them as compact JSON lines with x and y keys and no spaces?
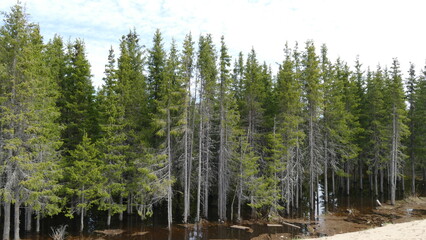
{"x":156,"y":227}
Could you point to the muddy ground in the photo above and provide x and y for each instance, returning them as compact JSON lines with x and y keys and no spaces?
{"x":351,"y":220}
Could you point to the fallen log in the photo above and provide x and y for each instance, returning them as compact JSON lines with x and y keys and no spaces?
{"x":139,"y":234}
{"x":242,"y":228}
{"x":291,"y":225}
{"x":274,"y":225}
{"x":110,"y":232}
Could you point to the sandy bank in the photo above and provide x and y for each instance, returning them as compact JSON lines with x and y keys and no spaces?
{"x":407,"y":231}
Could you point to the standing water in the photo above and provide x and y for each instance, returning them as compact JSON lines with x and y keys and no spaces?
{"x":132,"y":227}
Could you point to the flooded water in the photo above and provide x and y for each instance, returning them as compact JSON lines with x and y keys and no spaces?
{"x":156,"y":227}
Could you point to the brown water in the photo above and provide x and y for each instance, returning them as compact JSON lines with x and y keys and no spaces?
{"x":156,"y":228}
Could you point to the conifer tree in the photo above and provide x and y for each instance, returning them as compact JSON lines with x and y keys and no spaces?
{"x":131,"y":86}
{"x":375,"y":131}
{"x":206,"y":66}
{"x":112,"y":142}
{"x":419,"y":118}
{"x":29,"y":136}
{"x":228,"y":119}
{"x":77,"y":100}
{"x":167,"y":120}
{"x":289,"y":119}
{"x":310,"y":75}
{"x":399,"y":129}
{"x":85,"y":177}
{"x":187,"y":68}
{"x":412,"y":87}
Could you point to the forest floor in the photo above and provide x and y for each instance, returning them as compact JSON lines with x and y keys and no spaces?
{"x":404,"y":220}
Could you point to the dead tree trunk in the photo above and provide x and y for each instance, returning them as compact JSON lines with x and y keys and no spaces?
{"x":28,"y":218}
{"x":325,"y":171}
{"x":6,"y":220}
{"x":169,"y":172}
{"x":16,"y":222}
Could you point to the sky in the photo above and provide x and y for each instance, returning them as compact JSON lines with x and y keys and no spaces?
{"x":376,"y":30}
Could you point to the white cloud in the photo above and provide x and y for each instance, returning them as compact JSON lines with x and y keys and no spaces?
{"x":376,"y":30}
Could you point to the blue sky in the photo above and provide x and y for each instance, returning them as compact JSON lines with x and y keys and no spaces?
{"x":376,"y":30}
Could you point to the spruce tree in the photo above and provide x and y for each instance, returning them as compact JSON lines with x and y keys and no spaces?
{"x":131,"y":87}
{"x":85,"y":178}
{"x":206,"y":66}
{"x":228,"y":120}
{"x":310,"y":75}
{"x":29,"y":136}
{"x":77,"y":100}
{"x":419,"y":118}
{"x":375,"y":130}
{"x":412,"y":87}
{"x":187,"y":71}
{"x":112,"y":141}
{"x":399,"y":129}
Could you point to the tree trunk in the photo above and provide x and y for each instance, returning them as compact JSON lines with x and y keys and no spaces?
{"x":413,"y":175}
{"x":16,"y":222}
{"x":6,"y":221}
{"x":200,"y":151}
{"x":311,"y":161}
{"x":240,"y":183}
{"x":376,"y":184}
{"x":120,"y":216}
{"x":81,"y":220}
{"x":38,"y":221}
{"x":360,"y":174}
{"x":109,"y":217}
{"x":129,"y":204}
{"x":333,"y":182}
{"x":348,"y":179}
{"x":424,"y":178}
{"x":28,"y":218}
{"x":207,"y":174}
{"x":381,"y":181}
{"x":325,"y":171}
{"x":185,"y":168}
{"x":169,"y":173}
{"x":221,"y":172}
{"x":393,"y":156}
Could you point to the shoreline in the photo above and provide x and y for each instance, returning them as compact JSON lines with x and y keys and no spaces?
{"x":407,"y":230}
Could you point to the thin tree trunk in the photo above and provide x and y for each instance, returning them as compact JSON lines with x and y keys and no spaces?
{"x":200,"y":151}
{"x":81,"y":219}
{"x":240,"y":183}
{"x":413,"y":175}
{"x":16,"y":222}
{"x":381,"y":181}
{"x":348,"y":179}
{"x":6,"y":220}
{"x":393,"y":158}
{"x":207,"y":173}
{"x":297,"y":192}
{"x":109,"y":217}
{"x":38,"y":221}
{"x":28,"y":218}
{"x":120,"y":216}
{"x":325,"y":171}
{"x":311,"y":162}
{"x":169,"y":173}
{"x":185,"y":170}
{"x":221,"y":172}
{"x":333,"y":182}
{"x":376,"y":184}
{"x":360,"y":174}
{"x":424,"y":178}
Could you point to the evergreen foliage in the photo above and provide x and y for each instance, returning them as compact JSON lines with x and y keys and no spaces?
{"x":184,"y":126}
